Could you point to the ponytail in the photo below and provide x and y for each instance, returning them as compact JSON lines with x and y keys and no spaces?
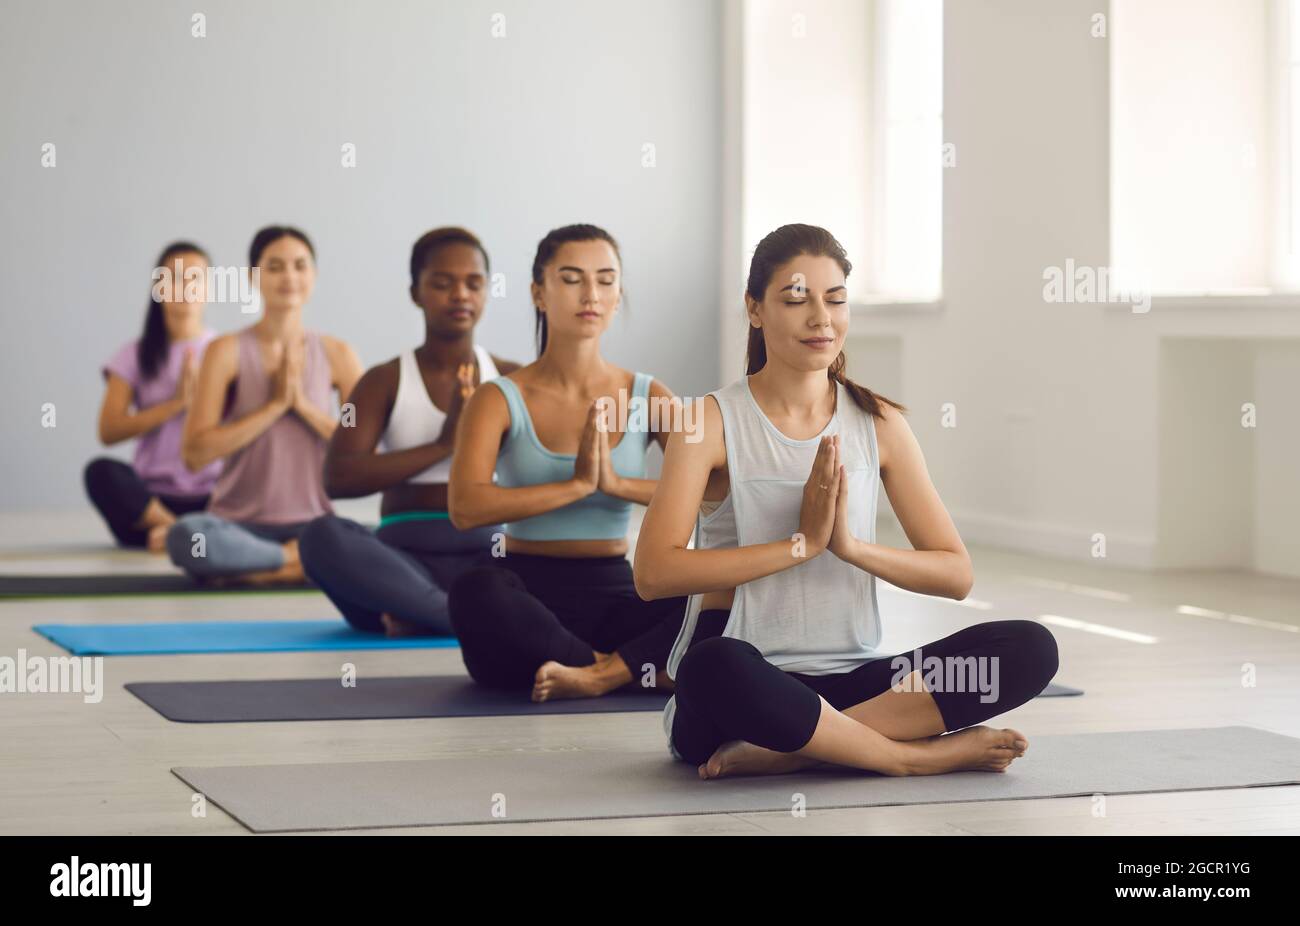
{"x":151,"y":350}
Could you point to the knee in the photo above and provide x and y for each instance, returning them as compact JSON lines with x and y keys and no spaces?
{"x":322,"y":541}
{"x":188,"y":541}
{"x":712,"y":662}
{"x":477,"y":593}
{"x":1036,"y":649}
{"x":97,"y":476}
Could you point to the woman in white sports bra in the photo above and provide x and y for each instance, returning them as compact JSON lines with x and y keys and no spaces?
{"x":776,"y":667}
{"x":394,"y":580}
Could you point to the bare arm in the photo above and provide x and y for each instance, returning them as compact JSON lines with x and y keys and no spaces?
{"x":939,"y":563}
{"x":352,"y":467}
{"x":474,"y":500}
{"x":630,"y":488}
{"x":205,"y":438}
{"x":664,"y":566}
{"x":116,"y":421}
{"x":345,"y":371}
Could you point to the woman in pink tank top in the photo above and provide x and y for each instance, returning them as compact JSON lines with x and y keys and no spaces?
{"x":263,"y":405}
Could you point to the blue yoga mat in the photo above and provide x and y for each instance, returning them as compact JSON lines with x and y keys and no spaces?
{"x":224,"y":637}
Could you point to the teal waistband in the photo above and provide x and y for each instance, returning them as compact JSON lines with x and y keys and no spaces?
{"x":414,"y":516}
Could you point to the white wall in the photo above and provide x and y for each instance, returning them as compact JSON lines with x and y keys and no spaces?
{"x":1058,"y":405}
{"x":160,"y":135}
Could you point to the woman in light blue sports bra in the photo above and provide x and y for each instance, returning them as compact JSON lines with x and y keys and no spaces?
{"x":555,"y":609}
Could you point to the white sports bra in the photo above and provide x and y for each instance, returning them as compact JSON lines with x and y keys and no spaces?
{"x":415,"y":420}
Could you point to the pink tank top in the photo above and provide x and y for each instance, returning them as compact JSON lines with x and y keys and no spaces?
{"x":278,"y":478}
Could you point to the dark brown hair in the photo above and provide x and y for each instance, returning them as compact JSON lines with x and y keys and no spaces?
{"x":546,"y":250}
{"x":784,"y":244}
{"x":152,"y":348}
{"x":433,"y":241}
{"x":270,"y":235}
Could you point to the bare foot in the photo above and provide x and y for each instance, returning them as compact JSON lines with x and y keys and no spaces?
{"x":157,"y":538}
{"x":556,"y":680}
{"x":741,"y":758}
{"x":289,"y":573}
{"x":979,"y":748}
{"x":395,"y":628}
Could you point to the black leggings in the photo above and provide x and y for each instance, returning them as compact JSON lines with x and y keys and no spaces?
{"x":121,"y":497}
{"x":525,"y":610}
{"x":725,"y":689}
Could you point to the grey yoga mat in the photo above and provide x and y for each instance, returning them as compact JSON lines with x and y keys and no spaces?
{"x":259,"y":700}
{"x":284,"y":699}
{"x":372,"y":699}
{"x":581,"y":785}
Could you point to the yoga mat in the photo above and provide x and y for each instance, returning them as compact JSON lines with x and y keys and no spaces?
{"x":74,"y":586}
{"x":1054,"y":690}
{"x":224,"y":637}
{"x":259,"y":700}
{"x":248,"y":701}
{"x":583,"y":785}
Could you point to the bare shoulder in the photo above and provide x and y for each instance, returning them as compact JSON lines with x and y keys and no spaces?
{"x":505,"y":367}
{"x":700,"y":437}
{"x":659,"y":391}
{"x":223,"y":345}
{"x":488,"y":403}
{"x":893,"y":433}
{"x":223,"y":353}
{"x":336,"y":348}
{"x":382,"y":378}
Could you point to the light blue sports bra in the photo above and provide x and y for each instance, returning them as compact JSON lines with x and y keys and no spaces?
{"x":523,"y":461}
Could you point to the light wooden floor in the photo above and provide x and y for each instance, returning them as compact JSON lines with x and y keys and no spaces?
{"x":67,"y":767}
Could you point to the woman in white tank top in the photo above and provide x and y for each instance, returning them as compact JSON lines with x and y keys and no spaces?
{"x":776,"y":666}
{"x":399,"y":442}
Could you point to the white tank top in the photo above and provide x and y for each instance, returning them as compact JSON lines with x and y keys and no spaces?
{"x":819,"y":617}
{"x":415,"y":420}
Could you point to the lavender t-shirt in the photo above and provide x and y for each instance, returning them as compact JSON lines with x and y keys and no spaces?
{"x":158,"y":453}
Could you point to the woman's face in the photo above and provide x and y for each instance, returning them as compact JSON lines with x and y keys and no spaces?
{"x":580,"y":290}
{"x":189,"y":289}
{"x":804,"y":314}
{"x":288,"y":274}
{"x":452,"y":289}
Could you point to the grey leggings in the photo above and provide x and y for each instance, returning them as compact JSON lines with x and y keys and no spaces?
{"x":403,"y":569}
{"x":205,"y":545}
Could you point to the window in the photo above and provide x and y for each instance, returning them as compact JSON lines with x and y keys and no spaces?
{"x":1198,"y":147}
{"x":842,"y":126}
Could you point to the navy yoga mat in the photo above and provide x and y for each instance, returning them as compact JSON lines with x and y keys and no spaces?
{"x":224,"y":637}
{"x":73,"y":586}
{"x":246,"y":701}
{"x":283,"y":699}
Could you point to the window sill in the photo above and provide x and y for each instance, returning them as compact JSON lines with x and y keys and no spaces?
{"x":895,"y":306}
{"x":1250,"y":299}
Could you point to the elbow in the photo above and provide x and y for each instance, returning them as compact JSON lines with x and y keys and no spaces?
{"x":461,"y":518}
{"x":647,"y":588}
{"x":964,"y":583}
{"x":335,"y":485}
{"x":193,"y":457}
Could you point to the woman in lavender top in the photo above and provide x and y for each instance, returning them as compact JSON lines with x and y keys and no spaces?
{"x":148,"y":386}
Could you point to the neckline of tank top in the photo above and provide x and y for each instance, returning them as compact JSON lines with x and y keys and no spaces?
{"x":480,"y":354}
{"x":308,"y":336}
{"x":537,"y":441}
{"x":767,"y":422}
